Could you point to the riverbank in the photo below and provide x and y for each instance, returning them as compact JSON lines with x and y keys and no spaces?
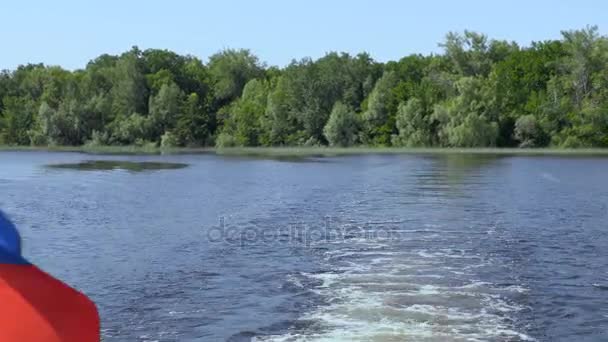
{"x":306,"y":151}
{"x":332,"y":151}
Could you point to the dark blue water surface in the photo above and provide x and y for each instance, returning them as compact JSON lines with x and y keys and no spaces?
{"x":359,"y":248}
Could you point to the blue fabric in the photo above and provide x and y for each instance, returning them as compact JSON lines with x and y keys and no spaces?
{"x":12,"y":259}
{"x":10,"y":242}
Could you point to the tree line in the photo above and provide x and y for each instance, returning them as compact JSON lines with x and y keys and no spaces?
{"x":479,"y":92}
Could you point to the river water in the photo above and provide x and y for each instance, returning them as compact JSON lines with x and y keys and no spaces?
{"x":358,"y":248}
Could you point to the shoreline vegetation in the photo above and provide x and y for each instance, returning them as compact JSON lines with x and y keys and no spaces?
{"x":303,"y":152}
{"x":478,"y":93}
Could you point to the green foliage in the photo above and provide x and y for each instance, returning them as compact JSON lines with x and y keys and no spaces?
{"x":310,"y":89}
{"x":479,"y":93}
{"x":341,"y":128}
{"x":168,"y":140}
{"x":165,"y":108}
{"x":528,"y":132}
{"x":98,"y":139}
{"x":129,"y":90}
{"x":473,"y":131}
{"x":158,"y":80}
{"x":413,"y":124}
{"x":466,"y":120}
{"x":245,"y":116}
{"x":379,"y":117}
{"x":193,"y":126}
{"x":230,"y":70}
{"x":127,"y":130}
{"x":17,"y":120}
{"x":225,"y":140}
{"x":279,"y":123}
{"x":472,"y":54}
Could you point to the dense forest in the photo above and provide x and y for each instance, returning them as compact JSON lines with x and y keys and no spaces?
{"x":478,"y":92}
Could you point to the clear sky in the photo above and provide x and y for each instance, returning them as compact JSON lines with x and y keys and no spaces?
{"x":71,"y":32}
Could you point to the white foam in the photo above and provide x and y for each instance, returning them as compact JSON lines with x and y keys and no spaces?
{"x":381,"y":293}
{"x":428,"y":290}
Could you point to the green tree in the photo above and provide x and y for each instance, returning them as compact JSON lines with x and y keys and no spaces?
{"x":472,"y":54}
{"x":129,"y":90}
{"x":378,"y":119}
{"x":414,"y":125}
{"x":246,"y":115}
{"x":17,"y":119}
{"x":479,"y":92}
{"x":341,"y":128}
{"x":66,"y":125}
{"x":193,"y":125}
{"x":165,"y":108}
{"x":130,"y":129}
{"x":230,"y":70}
{"x":467,"y":119}
{"x":278,"y":120}
{"x":528,"y":132}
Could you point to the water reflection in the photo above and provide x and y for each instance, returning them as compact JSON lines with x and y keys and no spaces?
{"x":448,"y":174}
{"x":109,"y":165}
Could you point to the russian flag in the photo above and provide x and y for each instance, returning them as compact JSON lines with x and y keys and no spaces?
{"x":36,"y":307}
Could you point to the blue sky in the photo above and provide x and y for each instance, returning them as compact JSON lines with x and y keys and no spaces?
{"x":71,"y":32}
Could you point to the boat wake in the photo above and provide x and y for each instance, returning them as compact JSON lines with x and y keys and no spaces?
{"x":395,"y":291}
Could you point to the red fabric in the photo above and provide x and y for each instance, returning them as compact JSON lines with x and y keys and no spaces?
{"x":37,"y":307}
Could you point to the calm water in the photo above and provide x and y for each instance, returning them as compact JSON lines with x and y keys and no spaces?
{"x":366,"y":248}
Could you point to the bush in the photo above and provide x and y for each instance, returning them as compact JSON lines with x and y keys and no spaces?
{"x":225,"y":140}
{"x":312,"y":142}
{"x":474,"y":131}
{"x":168,"y":140}
{"x":572,"y":142}
{"x":413,"y":125}
{"x":126,"y":130}
{"x":527,"y":131}
{"x":38,"y":138}
{"x":98,"y":139}
{"x":341,"y":128}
